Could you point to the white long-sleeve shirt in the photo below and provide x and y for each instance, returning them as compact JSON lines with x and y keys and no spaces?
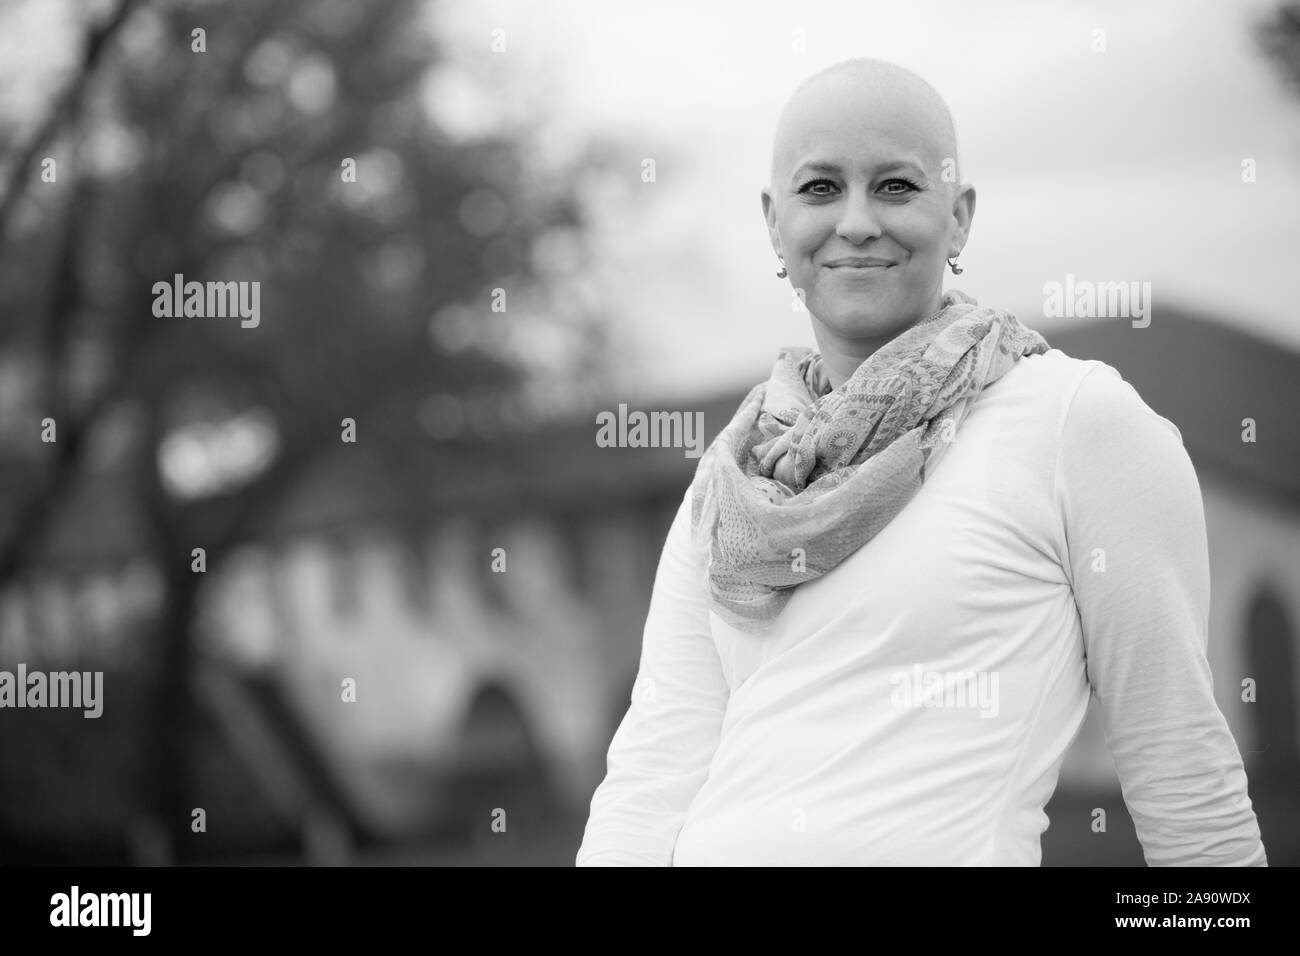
{"x":914,"y":705}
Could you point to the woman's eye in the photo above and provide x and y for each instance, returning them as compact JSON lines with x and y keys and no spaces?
{"x":906,"y":183}
{"x":809,"y":187}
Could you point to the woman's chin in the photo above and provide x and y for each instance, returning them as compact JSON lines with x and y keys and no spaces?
{"x":856,"y":323}
{"x":864,"y":316}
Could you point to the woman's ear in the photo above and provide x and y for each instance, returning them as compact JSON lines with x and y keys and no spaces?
{"x":963,"y":211}
{"x":769,"y":214}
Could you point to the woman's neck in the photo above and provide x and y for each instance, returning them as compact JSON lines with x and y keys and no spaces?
{"x":841,"y":355}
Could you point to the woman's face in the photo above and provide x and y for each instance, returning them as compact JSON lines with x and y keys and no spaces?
{"x":859,"y":210}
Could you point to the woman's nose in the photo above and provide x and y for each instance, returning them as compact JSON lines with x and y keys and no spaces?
{"x":857,"y":218}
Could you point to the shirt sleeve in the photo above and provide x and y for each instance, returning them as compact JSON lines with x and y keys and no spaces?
{"x":661,"y":752}
{"x":1139,"y":567}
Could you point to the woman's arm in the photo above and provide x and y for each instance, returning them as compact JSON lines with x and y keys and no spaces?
{"x":1132,"y":506}
{"x":660,"y":755}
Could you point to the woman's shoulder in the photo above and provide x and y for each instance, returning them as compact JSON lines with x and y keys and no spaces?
{"x":1055,"y":367}
{"x":1072,"y":381}
{"x":1044,"y":382}
{"x":1105,"y":406}
{"x":1087,"y":398}
{"x":1118,"y":456}
{"x":1099,"y":416}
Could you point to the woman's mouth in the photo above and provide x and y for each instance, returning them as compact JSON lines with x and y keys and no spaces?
{"x":858,"y":264}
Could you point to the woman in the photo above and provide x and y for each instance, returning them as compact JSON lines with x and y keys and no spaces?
{"x":905,"y":565}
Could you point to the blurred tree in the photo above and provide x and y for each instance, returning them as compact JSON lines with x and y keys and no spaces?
{"x":231,"y":164}
{"x":1278,"y":34}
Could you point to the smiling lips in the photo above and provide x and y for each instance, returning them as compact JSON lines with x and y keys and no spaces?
{"x":858,"y":262}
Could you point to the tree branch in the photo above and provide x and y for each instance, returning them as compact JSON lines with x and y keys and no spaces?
{"x":96,"y":42}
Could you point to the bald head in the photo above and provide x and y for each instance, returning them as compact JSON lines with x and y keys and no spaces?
{"x":880,"y":96}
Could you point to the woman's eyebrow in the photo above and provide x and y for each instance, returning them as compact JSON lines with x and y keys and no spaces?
{"x":826,"y":167}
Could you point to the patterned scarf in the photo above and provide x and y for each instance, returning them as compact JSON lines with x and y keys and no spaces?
{"x":805,"y":475}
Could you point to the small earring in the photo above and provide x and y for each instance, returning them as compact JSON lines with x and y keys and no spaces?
{"x":782,"y":274}
{"x":956,"y":269}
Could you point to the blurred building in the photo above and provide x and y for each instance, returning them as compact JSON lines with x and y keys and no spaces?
{"x":481,"y":690}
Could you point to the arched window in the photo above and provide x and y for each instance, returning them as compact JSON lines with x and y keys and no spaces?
{"x":1271,"y":660}
{"x":496,"y":765}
